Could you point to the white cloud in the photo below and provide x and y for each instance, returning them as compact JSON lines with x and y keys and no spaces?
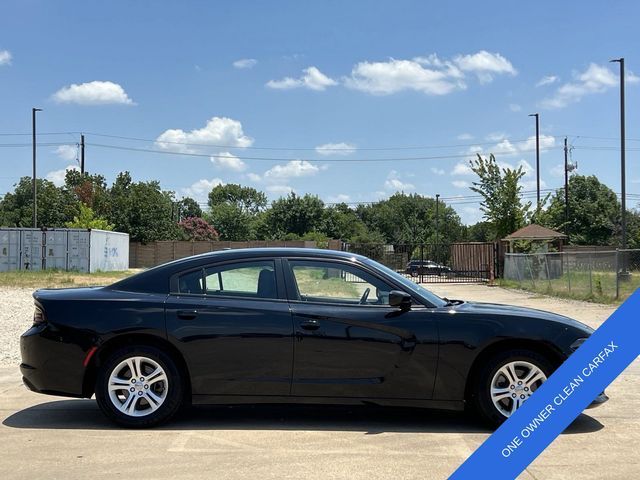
{"x":437,"y":171}
{"x":465,"y":136}
{"x":341,"y":148}
{"x":280,"y":189}
{"x":514,"y":107}
{"x":227,"y":161}
{"x":254,"y":177}
{"x":199,"y":190}
{"x":245,"y":63}
{"x":339,"y":198}
{"x":219,"y":131}
{"x":5,"y":57}
{"x":393,"y":183}
{"x":485,"y":65}
{"x":392,"y":76}
{"x":312,"y":78}
{"x":57,"y":176}
{"x":470,"y":214}
{"x":460,"y":184}
{"x":462,"y":169}
{"x":546,"y":142}
{"x":398,"y":185}
{"x":294,"y":168}
{"x":93,"y":93}
{"x":504,"y":147}
{"x":67,"y":152}
{"x":547,"y":80}
{"x":595,"y":79}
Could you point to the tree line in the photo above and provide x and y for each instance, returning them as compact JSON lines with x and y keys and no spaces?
{"x":237,"y":213}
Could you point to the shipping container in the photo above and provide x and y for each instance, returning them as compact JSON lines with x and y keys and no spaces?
{"x":31,"y":241}
{"x":9,"y":250}
{"x":63,"y":249}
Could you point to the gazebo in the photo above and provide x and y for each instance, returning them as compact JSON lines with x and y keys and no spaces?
{"x":535,"y":233}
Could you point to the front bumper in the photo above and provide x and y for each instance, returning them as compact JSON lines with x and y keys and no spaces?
{"x":51,"y":363}
{"x":599,"y":400}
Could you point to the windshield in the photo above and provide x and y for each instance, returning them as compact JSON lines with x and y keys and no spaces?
{"x":430,"y":297}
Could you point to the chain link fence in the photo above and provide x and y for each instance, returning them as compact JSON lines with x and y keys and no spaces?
{"x":596,"y":275}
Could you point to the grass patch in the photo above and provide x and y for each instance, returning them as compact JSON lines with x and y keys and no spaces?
{"x":59,"y":278}
{"x":598,"y":287}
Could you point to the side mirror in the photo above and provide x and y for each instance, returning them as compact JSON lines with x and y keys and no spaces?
{"x":400,"y":299}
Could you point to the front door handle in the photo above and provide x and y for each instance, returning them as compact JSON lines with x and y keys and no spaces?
{"x":187,"y":314}
{"x":310,"y":325}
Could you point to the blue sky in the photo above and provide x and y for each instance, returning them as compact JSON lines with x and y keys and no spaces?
{"x":219,"y":86}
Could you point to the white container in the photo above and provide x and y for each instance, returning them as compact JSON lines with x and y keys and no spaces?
{"x":9,"y":249}
{"x":31,"y":249}
{"x":108,"y":251}
{"x":55,"y":249}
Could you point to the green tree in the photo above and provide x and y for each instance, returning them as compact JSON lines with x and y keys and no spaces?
{"x":143,"y":210}
{"x":87,"y":219}
{"x":594,"y":212}
{"x":91,"y":190}
{"x":189,"y":208}
{"x":501,"y":192}
{"x":295,"y":214}
{"x":55,"y":205}
{"x":341,"y":222}
{"x":246,"y":199}
{"x":411,"y":220}
{"x":231,"y":222}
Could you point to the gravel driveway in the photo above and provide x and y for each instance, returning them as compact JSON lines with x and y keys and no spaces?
{"x":16,"y":314}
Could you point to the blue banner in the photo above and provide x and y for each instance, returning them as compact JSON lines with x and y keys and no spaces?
{"x":571,"y":388}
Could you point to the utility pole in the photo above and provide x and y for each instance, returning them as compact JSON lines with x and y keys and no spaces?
{"x":566,"y":189}
{"x":623,"y":222}
{"x":437,"y":219}
{"x":33,"y":180}
{"x":82,"y":154}
{"x":537,"y":160}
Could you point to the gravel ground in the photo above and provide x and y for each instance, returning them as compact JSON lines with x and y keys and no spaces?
{"x":15,"y":318}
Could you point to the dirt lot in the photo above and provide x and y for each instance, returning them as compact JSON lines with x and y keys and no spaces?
{"x":52,"y":437}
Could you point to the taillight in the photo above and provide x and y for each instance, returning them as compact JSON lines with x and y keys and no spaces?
{"x":38,"y":316}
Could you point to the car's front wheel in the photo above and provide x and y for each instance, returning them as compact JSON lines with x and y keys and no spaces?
{"x":507,"y":381}
{"x":139,"y":387}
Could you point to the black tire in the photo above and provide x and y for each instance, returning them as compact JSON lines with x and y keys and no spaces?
{"x":481,"y":391}
{"x":174,"y":388}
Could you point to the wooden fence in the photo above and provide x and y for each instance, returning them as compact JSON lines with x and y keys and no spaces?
{"x":156,"y":253}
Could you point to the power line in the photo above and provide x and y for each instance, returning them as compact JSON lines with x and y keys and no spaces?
{"x":281,"y":159}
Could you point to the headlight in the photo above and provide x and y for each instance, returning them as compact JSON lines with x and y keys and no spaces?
{"x":575,"y":345}
{"x":38,"y":316}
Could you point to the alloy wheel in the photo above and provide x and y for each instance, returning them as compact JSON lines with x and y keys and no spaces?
{"x":513,"y":384}
{"x":138,"y":386}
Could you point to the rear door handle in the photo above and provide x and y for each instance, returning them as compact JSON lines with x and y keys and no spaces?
{"x":187,"y":314}
{"x":310,"y":325}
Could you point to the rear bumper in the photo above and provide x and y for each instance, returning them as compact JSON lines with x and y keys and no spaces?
{"x":599,"y":400}
{"x":51,"y":364}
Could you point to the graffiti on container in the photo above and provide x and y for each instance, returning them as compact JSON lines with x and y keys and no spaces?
{"x":110,"y":252}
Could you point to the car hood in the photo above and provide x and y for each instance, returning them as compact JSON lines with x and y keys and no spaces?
{"x":513,"y":311}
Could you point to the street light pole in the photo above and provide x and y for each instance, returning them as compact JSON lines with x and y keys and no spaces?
{"x":622,"y":156}
{"x":566,"y":189}
{"x":537,"y":160}
{"x":437,"y":219}
{"x":33,"y":180}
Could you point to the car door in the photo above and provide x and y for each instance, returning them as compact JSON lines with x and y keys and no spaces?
{"x":349,"y":341}
{"x":232,"y":323}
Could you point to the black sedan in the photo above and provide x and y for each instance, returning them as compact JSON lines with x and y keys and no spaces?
{"x":286,"y":326}
{"x":426,"y":267}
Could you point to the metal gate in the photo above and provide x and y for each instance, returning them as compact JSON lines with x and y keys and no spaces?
{"x":474,"y":262}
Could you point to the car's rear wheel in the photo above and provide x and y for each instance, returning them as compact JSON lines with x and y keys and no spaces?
{"x":139,"y":387}
{"x":507,"y":381}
